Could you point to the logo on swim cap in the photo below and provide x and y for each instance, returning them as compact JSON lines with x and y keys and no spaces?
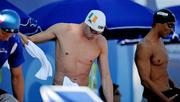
{"x":163,"y":16}
{"x":92,"y":18}
{"x":2,"y":18}
{"x":162,"y":13}
{"x":96,"y":20}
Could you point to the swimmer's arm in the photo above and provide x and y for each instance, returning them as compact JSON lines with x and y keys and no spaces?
{"x":43,"y":36}
{"x":24,"y":38}
{"x":142,"y":60}
{"x":104,"y":71}
{"x":46,"y":35}
{"x":37,"y":38}
{"x":17,"y":83}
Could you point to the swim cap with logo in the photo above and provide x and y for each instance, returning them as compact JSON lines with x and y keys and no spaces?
{"x":96,"y":20}
{"x":163,"y":16}
{"x":9,"y":21}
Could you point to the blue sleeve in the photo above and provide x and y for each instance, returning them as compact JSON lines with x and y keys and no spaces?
{"x":17,"y":57}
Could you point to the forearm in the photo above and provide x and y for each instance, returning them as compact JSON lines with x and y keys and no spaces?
{"x":18,"y":88}
{"x":24,"y":38}
{"x":149,"y":84}
{"x":108,"y":89}
{"x":36,"y":38}
{"x":42,"y":37}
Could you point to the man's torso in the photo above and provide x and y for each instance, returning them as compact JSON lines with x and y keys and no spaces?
{"x":75,"y":55}
{"x":158,"y":62}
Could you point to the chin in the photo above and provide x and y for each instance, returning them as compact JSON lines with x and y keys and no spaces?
{"x":164,"y":37}
{"x":90,"y":37}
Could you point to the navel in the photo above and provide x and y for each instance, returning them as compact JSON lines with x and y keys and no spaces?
{"x":66,"y":53}
{"x":91,"y":61}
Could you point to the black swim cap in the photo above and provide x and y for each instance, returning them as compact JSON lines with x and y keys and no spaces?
{"x":163,"y":16}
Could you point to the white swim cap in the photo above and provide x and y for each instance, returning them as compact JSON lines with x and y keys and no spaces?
{"x":96,"y":20}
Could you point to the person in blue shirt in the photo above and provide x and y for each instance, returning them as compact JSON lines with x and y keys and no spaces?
{"x":11,"y":51}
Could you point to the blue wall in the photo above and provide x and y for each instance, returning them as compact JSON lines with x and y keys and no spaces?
{"x":120,"y":60}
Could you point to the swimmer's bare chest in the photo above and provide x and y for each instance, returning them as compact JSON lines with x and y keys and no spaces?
{"x":159,"y":55}
{"x":76,"y":55}
{"x":159,"y":60}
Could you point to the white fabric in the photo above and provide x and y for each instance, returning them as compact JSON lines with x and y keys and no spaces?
{"x":36,"y":52}
{"x":67,"y":82}
{"x":6,"y":64}
{"x":14,"y":48}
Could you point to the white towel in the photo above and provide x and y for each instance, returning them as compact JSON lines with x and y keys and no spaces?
{"x":36,"y":52}
{"x":6,"y":64}
{"x":67,"y":82}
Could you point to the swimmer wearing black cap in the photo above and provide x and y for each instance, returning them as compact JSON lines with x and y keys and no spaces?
{"x":151,"y":60}
{"x":164,"y":16}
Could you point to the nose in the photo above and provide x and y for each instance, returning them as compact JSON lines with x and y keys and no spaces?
{"x":172,"y":30}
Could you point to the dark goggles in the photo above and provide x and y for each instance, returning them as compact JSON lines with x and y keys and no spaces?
{"x":93,"y":31}
{"x":7,"y":30}
{"x":171,"y":25}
